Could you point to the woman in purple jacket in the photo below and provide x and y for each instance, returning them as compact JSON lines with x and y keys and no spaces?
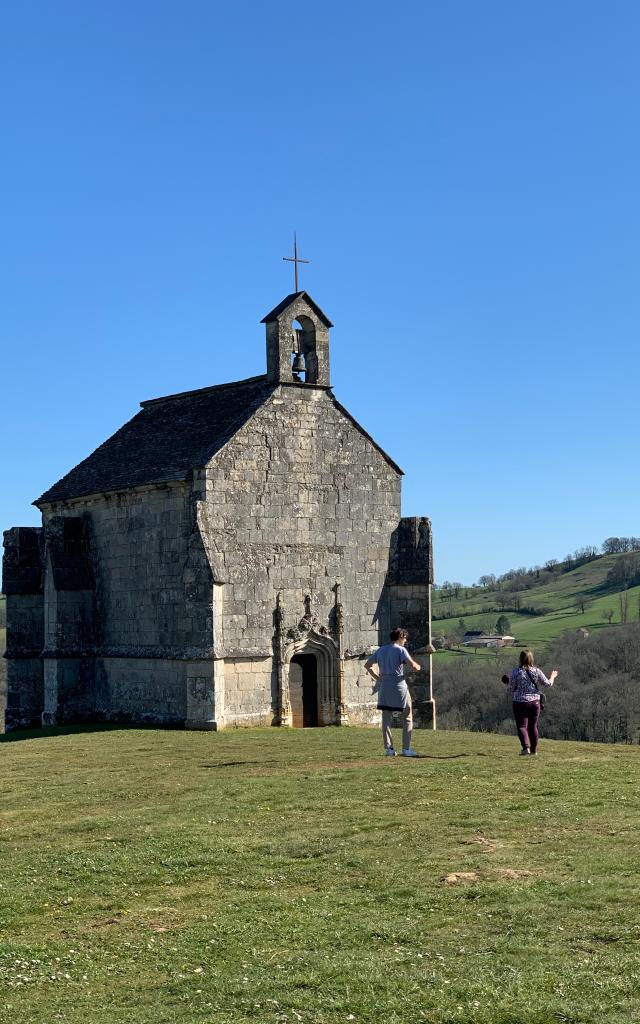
{"x":524,"y":683}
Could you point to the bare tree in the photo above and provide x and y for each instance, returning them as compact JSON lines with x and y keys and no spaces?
{"x":488,"y":580}
{"x":611,"y":546}
{"x":625,"y":569}
{"x":608,"y":614}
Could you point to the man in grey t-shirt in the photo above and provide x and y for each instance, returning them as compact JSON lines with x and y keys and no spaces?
{"x":393,"y":692}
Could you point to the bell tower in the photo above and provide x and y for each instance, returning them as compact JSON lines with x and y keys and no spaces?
{"x":298,"y":342}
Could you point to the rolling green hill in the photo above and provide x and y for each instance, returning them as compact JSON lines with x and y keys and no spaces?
{"x":556,"y":598}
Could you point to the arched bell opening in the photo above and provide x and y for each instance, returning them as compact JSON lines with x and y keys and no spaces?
{"x":304,"y":366}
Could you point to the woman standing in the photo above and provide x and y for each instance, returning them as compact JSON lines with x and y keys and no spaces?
{"x":524,"y":683}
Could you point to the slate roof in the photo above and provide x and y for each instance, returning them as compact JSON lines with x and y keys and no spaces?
{"x":168,"y":438}
{"x":277,"y":310}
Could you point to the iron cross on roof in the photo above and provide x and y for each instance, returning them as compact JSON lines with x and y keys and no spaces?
{"x":295,"y":259}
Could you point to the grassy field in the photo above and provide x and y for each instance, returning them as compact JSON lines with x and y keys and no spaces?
{"x":298,"y":876}
{"x":588,"y":581}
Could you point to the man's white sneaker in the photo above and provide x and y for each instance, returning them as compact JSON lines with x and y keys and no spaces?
{"x":390,"y":752}
{"x":410,"y":753}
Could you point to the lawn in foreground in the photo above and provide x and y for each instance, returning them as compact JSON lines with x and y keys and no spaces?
{"x":297,"y":876}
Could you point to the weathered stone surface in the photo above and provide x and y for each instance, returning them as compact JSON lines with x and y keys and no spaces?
{"x":218,"y":536}
{"x":23,"y":573}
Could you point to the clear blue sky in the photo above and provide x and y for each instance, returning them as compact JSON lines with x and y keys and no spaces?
{"x":464,"y":177}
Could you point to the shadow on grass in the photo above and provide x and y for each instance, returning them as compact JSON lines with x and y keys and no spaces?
{"x":236,"y":764}
{"x":47,"y":731}
{"x":439,"y":757}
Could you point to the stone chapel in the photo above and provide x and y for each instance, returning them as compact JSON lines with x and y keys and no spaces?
{"x":229,"y":557}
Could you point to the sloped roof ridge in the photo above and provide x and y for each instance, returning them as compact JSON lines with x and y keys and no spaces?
{"x":202,"y":391}
{"x":289,"y":300}
{"x":164,"y":441}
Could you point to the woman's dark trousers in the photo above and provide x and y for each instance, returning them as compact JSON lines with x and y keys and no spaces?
{"x":526,"y":714}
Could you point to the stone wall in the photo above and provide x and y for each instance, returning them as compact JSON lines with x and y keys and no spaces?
{"x":139,"y":551}
{"x":360,"y":703}
{"x":153,"y":605}
{"x":145,"y":690}
{"x":22,"y":581}
{"x":298,"y":499}
{"x":250,"y":691}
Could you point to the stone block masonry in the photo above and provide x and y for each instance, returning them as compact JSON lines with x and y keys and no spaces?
{"x":23,"y":585}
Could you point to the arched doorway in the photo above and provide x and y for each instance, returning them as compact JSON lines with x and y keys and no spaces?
{"x":310,"y":681}
{"x":303,"y":691}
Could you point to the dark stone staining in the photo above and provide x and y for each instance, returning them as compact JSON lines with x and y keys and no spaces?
{"x":22,"y":564}
{"x":67,"y":542}
{"x":411,"y":559}
{"x":23,"y":585}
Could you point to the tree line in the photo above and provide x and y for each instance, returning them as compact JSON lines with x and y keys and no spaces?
{"x":524,"y":578}
{"x":596,"y":696}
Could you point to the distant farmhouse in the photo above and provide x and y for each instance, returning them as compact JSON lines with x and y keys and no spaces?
{"x":229,"y":557}
{"x":476,"y":638}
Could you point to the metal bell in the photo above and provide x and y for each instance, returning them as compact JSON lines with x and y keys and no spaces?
{"x":298,"y":363}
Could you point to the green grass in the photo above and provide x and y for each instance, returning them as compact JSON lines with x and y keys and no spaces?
{"x":558,"y":596}
{"x":286,"y":876}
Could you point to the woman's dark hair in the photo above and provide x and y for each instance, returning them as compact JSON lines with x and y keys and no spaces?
{"x":398,"y":634}
{"x":526,"y":659}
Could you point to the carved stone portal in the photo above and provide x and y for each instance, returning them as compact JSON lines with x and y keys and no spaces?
{"x":308,"y":638}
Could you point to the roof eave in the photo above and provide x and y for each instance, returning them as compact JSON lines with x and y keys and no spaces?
{"x":43,"y":502}
{"x":289,"y":301}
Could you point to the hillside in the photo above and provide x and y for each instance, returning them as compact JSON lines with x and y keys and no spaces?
{"x":299,"y":877}
{"x":554,"y":601}
{"x":596,"y":696}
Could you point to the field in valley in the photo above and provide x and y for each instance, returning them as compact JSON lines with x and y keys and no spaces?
{"x":558,"y":599}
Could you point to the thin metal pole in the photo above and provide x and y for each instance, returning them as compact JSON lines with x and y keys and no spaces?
{"x":295,"y":258}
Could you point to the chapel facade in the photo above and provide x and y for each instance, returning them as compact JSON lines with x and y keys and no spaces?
{"x":229,"y":557}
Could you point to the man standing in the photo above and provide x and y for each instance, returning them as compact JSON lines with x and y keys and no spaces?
{"x":393,"y":692}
